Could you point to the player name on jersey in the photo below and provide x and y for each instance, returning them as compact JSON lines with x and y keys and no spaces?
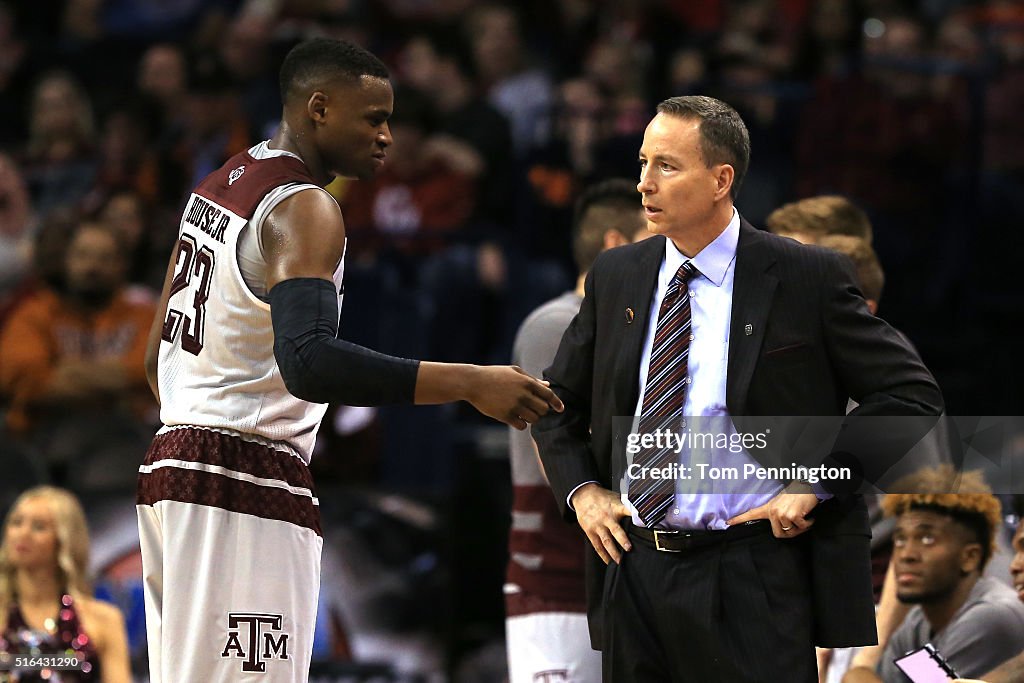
{"x":217,"y":366}
{"x":208,"y":218}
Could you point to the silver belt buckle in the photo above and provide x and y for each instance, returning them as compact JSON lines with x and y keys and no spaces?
{"x":657,"y":540}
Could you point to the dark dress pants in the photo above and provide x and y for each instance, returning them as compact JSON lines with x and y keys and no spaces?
{"x":733,"y":612}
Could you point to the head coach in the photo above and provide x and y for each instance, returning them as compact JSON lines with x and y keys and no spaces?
{"x":714,"y":318}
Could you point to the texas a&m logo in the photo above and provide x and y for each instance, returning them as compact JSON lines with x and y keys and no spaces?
{"x":255,"y":638}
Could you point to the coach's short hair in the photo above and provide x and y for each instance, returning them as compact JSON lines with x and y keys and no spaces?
{"x":724,"y":136}
{"x":319,"y":60}
{"x":617,"y":194}
{"x":819,"y":216}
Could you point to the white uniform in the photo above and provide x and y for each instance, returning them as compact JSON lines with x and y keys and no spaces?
{"x":546,"y":631}
{"x":228,"y":519}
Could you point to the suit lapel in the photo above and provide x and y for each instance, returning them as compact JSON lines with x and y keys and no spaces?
{"x":637,"y":292}
{"x":753,"y":289}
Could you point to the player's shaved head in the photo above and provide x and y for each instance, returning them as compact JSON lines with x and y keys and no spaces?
{"x":612,"y":204}
{"x":315,"y":63}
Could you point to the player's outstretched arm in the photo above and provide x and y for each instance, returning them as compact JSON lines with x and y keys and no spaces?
{"x":303,"y":241}
{"x":506,"y":393}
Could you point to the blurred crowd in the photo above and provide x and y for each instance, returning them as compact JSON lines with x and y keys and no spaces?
{"x":111,"y":111}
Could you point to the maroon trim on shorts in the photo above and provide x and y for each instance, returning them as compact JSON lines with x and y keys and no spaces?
{"x":216,"y":490}
{"x":562,"y":548}
{"x":519,"y":604}
{"x":533,"y":498}
{"x":234,"y":453}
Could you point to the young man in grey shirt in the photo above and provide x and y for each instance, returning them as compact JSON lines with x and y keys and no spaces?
{"x":941,"y":544}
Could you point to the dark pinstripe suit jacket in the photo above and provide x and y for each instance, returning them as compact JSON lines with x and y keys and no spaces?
{"x":799,"y":299}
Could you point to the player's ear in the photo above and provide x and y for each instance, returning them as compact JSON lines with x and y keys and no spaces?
{"x":614,"y":238}
{"x":970,"y":558}
{"x":316,"y":106}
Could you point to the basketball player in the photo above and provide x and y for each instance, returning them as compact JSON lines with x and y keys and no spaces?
{"x":546,"y":607}
{"x":243,"y":356}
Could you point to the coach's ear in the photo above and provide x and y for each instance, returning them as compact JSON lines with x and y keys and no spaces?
{"x":724,"y":175}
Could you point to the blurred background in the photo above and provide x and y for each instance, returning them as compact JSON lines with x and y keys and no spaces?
{"x":111,"y":110}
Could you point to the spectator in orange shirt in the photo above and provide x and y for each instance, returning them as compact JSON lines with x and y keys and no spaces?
{"x":71,"y":362}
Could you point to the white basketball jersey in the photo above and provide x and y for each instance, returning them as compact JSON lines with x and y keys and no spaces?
{"x":217,"y":368}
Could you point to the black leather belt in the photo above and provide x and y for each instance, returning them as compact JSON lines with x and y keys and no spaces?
{"x":681,"y":540}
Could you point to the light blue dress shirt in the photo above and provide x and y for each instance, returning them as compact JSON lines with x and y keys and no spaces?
{"x":702,"y":503}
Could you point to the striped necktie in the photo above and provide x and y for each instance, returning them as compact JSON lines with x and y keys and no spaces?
{"x":667,"y":381}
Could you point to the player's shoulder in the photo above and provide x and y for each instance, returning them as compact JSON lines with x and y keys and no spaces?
{"x":561,"y":308}
{"x":260,"y":166}
{"x":312,"y":196}
{"x":308,"y":207}
{"x":247,"y":178}
{"x":537,"y":338}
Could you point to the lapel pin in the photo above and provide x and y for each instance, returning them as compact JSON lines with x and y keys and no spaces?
{"x":748,"y":329}
{"x":629,"y":315}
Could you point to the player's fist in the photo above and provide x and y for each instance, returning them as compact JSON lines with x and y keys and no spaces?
{"x":510,"y":395}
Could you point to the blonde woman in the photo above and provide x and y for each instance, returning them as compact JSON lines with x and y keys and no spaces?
{"x":46,"y":603}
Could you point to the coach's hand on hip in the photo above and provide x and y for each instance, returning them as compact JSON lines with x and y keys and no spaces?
{"x":787,"y":511}
{"x":598,"y":511}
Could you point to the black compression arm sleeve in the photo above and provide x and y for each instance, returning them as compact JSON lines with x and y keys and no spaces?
{"x":318,"y":367}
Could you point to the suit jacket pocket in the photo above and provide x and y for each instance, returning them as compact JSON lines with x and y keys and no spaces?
{"x":786,"y":350}
{"x":787,"y":356}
